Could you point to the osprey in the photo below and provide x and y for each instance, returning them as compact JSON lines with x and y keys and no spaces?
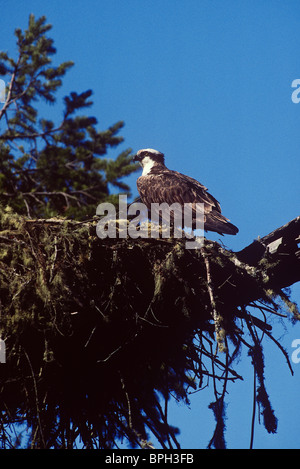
{"x":158,"y":184}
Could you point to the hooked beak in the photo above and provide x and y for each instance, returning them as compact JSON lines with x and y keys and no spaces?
{"x":135,"y":158}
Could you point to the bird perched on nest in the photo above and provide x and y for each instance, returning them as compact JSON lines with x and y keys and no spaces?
{"x":158,"y":184}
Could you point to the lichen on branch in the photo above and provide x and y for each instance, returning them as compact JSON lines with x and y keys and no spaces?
{"x":101,"y":334}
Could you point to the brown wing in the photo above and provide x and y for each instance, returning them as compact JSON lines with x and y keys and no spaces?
{"x":172,"y":186}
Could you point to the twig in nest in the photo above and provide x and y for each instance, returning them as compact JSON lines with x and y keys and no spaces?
{"x":39,"y":426}
{"x":141,"y":441}
{"x":220,"y":332}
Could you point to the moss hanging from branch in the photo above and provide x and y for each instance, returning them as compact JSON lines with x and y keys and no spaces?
{"x":100,"y":334}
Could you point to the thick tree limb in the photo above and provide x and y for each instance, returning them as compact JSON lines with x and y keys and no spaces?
{"x":279,"y":248}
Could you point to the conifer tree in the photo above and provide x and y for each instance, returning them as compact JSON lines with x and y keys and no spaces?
{"x":47,"y":168}
{"x":96,"y":348}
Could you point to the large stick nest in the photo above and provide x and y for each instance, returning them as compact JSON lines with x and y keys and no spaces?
{"x":100,"y":333}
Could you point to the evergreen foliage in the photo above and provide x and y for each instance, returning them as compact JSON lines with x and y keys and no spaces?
{"x":49,"y":169}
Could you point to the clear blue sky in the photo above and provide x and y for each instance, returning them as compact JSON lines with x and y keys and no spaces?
{"x":207,"y":82}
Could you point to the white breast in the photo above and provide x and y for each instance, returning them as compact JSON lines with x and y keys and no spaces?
{"x":147,"y":165}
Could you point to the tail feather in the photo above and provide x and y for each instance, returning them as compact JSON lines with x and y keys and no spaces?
{"x":215,"y":221}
